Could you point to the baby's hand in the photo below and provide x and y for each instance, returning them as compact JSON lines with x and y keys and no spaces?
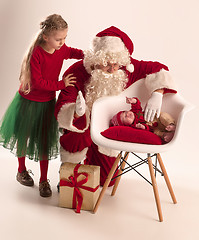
{"x":171,"y":127}
{"x":69,"y":80}
{"x":139,"y":125}
{"x":131,"y":100}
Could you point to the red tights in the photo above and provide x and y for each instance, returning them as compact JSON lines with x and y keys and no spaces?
{"x":43,"y":168}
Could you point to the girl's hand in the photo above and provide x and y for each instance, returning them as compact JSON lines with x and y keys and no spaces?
{"x":69,"y":80}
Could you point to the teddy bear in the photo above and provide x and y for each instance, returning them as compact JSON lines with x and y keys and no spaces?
{"x":164,"y":126}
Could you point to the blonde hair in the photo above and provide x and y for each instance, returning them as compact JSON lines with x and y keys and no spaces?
{"x":50,"y":24}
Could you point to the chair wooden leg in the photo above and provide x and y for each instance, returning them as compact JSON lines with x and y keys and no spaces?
{"x":119,"y":172}
{"x":111,"y":173}
{"x":166,"y":178}
{"x":155,"y":189}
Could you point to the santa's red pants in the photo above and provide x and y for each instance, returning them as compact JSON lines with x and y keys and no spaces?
{"x":94,"y":157}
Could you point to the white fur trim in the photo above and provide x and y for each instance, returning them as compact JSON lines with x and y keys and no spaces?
{"x":130,"y":68}
{"x":72,"y":157}
{"x":65,"y":118}
{"x":108,"y":44}
{"x":108,"y":151}
{"x":161,"y":79}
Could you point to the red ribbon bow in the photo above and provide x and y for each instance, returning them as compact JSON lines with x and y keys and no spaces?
{"x":72,"y":182}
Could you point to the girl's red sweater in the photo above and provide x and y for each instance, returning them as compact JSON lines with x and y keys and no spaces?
{"x":45,"y":70}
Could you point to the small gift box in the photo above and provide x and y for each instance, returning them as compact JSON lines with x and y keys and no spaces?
{"x":79,"y":186}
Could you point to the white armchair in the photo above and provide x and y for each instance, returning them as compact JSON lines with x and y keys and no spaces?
{"x":106,"y":107}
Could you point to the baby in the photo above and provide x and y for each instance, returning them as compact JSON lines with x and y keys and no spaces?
{"x":164,"y":126}
{"x":133,"y":117}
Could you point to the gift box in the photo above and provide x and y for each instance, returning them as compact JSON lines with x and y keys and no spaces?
{"x":79,"y":186}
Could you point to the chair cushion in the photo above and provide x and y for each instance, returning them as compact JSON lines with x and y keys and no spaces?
{"x":129,"y":134}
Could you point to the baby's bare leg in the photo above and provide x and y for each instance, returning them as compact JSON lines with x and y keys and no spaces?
{"x":171,"y":127}
{"x":167,"y":136}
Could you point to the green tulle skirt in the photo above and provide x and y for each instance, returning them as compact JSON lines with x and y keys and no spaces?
{"x":30,"y":129}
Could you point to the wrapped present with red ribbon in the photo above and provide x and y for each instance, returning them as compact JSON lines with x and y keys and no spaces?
{"x":79,"y":186}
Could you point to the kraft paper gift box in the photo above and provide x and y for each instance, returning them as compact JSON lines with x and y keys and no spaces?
{"x":79,"y":186}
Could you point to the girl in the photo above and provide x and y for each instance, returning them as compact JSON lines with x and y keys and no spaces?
{"x":29,"y":125}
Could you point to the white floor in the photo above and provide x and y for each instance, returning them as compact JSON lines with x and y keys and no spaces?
{"x":130,"y":214}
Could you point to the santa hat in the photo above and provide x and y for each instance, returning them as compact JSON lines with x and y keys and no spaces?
{"x":113,"y":40}
{"x":116,"y":120}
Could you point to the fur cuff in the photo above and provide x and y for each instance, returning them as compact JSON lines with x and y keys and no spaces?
{"x":72,"y":157}
{"x":159,"y":80}
{"x":108,"y":151}
{"x":65,"y":118}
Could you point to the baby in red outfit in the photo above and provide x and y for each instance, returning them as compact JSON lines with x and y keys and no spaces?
{"x":134,"y":118}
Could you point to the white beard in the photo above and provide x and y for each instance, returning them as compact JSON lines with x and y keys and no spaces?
{"x":104,"y":84}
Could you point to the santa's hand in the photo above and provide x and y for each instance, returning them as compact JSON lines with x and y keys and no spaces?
{"x":80,"y":107}
{"x":153,"y":106}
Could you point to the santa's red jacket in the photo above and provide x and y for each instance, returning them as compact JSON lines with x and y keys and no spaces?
{"x":76,"y":143}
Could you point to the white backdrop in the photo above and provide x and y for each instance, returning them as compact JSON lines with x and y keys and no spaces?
{"x":166,"y":31}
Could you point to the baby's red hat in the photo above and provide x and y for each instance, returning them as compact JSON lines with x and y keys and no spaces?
{"x":116,"y":120}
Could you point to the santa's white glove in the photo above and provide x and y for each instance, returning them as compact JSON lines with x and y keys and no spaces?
{"x":153,"y":106}
{"x":80,"y":107}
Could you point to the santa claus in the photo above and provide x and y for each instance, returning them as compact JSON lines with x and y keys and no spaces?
{"x":106,"y":70}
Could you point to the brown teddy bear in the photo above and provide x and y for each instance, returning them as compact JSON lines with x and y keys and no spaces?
{"x":164,"y":126}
